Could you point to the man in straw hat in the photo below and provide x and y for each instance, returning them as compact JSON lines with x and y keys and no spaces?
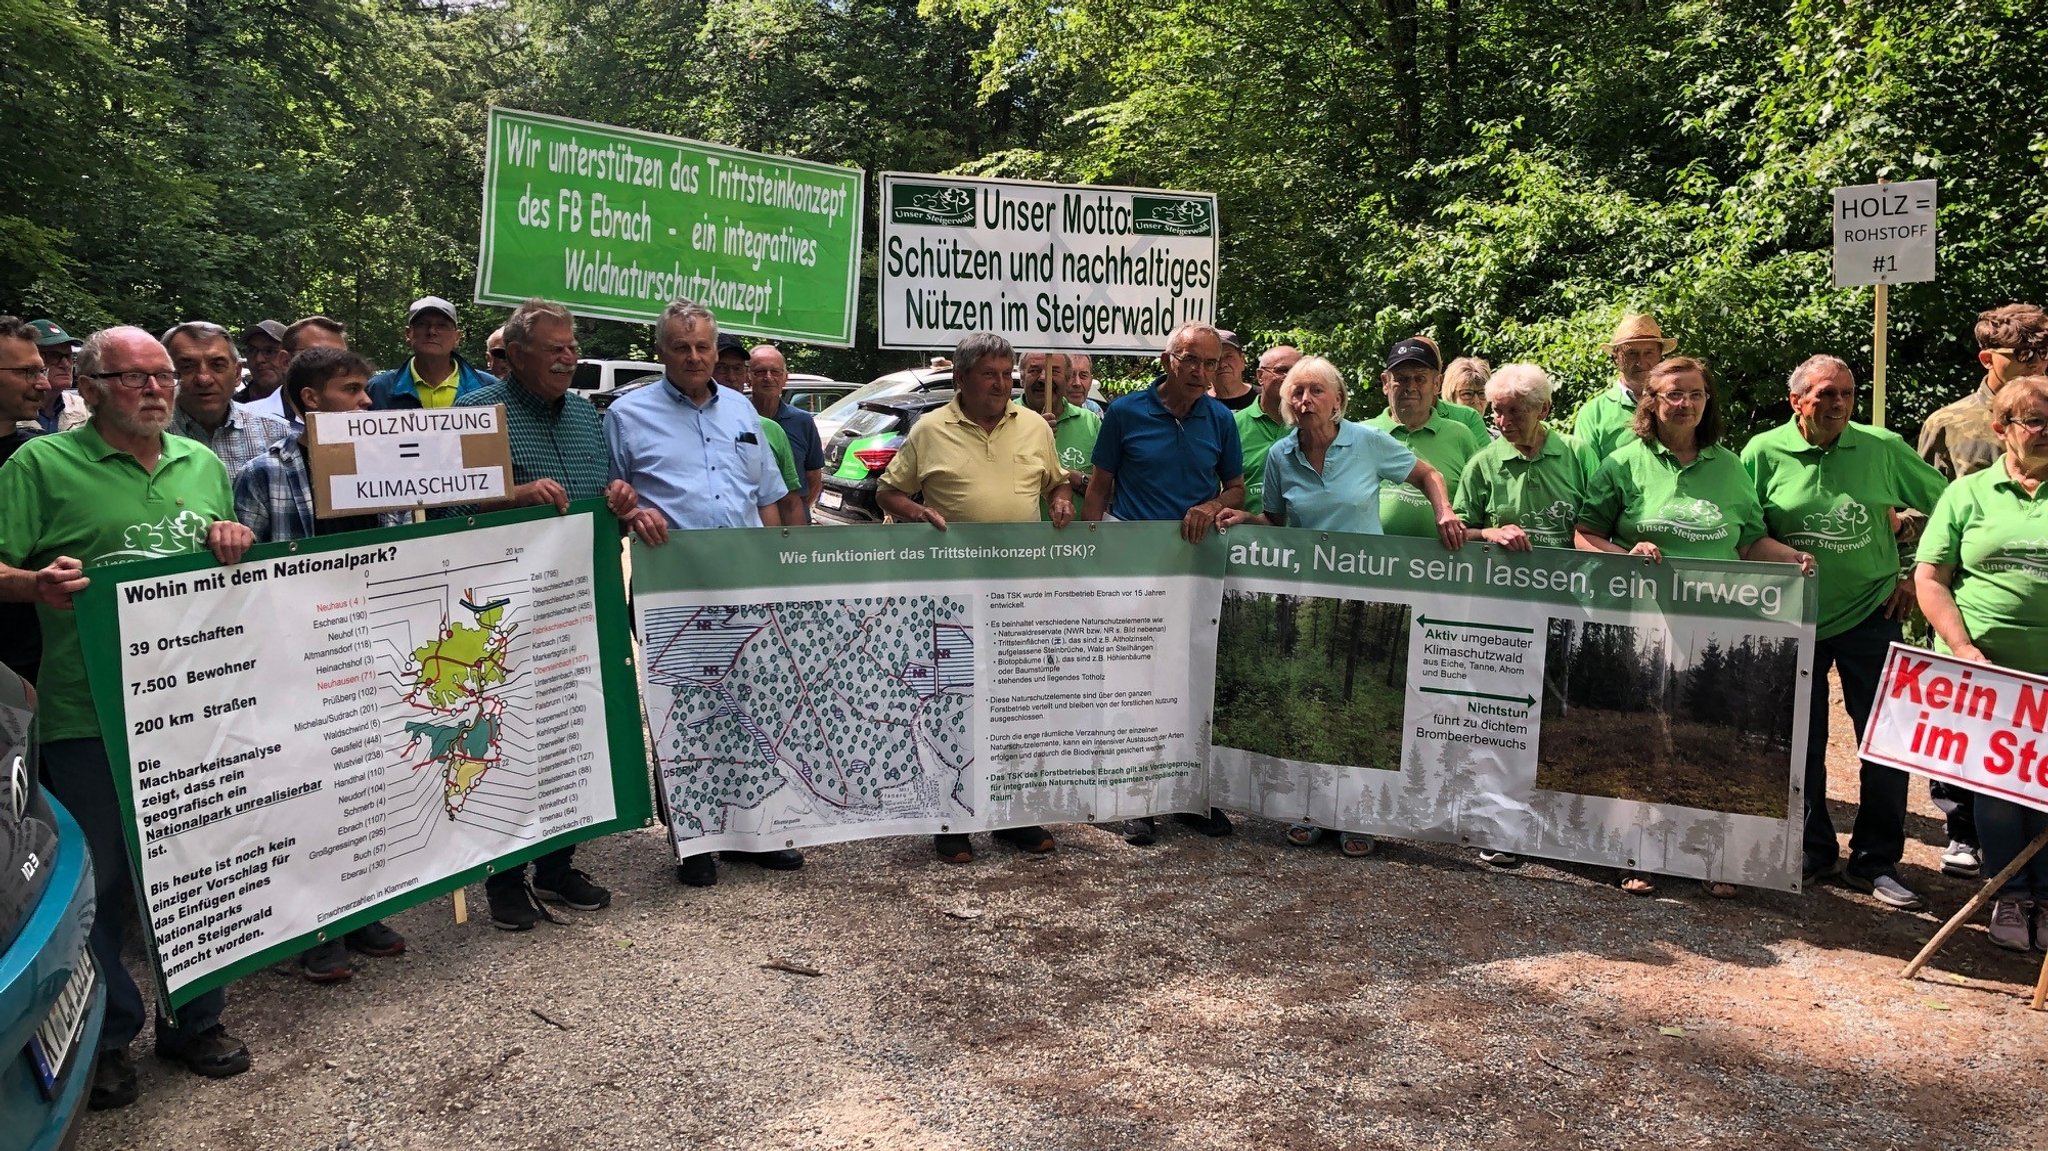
{"x":1607,"y":421}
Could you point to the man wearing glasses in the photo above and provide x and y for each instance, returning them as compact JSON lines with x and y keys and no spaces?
{"x":494,"y":353}
{"x":1171,"y":452}
{"x":62,"y":408}
{"x":119,"y":488}
{"x":2012,"y":341}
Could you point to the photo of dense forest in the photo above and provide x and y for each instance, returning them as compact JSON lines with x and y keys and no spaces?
{"x":1314,"y":679}
{"x":1708,"y":725}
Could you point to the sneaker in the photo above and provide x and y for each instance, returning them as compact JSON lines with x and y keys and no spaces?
{"x":2009,"y":924}
{"x":1142,"y":831}
{"x":698,"y":870}
{"x":1033,"y":840}
{"x":1887,"y":888}
{"x":953,"y":848}
{"x":574,"y":889}
{"x":1215,"y":825}
{"x":376,"y":941}
{"x":1814,"y":870}
{"x":788,"y":859}
{"x":1962,"y":860}
{"x":326,"y":962}
{"x":2041,"y":927}
{"x":1501,"y":859}
{"x":114,"y":1083}
{"x":213,"y":1053}
{"x":512,"y":908}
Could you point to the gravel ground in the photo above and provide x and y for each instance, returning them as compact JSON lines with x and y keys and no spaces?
{"x":1232,"y":993}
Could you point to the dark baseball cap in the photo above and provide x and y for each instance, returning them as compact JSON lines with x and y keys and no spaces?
{"x":1413,"y":351}
{"x":269,"y":328}
{"x":727,"y":342}
{"x":1229,"y":338}
{"x":49,"y":335}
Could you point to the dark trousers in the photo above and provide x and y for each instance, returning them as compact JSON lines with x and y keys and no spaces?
{"x":77,"y":773}
{"x":546,"y":870}
{"x":1959,"y":804}
{"x":1879,"y":837}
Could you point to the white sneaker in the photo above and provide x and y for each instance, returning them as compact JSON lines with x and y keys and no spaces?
{"x":1500,"y":859}
{"x":1892,"y":893}
{"x":1963,"y":860}
{"x":2009,"y":927}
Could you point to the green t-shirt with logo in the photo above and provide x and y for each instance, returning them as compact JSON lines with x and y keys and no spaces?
{"x":1607,"y":422}
{"x":1541,"y":496}
{"x":1257,"y":432}
{"x":71,"y":494}
{"x":1996,"y":536}
{"x":1704,"y":510}
{"x":785,"y":460}
{"x":1833,"y":502}
{"x":1443,"y":444}
{"x":1073,"y":437}
{"x":1460,"y":414}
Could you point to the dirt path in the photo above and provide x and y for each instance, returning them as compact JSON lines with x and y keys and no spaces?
{"x":1200,"y":994}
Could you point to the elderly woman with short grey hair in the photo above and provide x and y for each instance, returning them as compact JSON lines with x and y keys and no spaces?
{"x":1523,"y":490}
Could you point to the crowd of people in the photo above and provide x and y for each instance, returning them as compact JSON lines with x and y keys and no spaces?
{"x":129,"y":445}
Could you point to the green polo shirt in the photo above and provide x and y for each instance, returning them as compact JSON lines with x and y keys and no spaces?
{"x":1996,"y":536}
{"x":1500,"y":486}
{"x":1257,"y":432}
{"x":1704,"y":510}
{"x":72,"y":495}
{"x":1442,"y":444}
{"x":1073,"y":437}
{"x":1459,"y":413}
{"x":785,"y":460}
{"x":1833,"y":502}
{"x":1607,"y":422}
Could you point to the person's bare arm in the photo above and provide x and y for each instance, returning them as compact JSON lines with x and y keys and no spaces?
{"x":771,"y":515}
{"x":906,"y":510}
{"x":54,"y":584}
{"x":1938,"y":604}
{"x":1450,"y":530}
{"x":1101,"y":485}
{"x":814,"y":482}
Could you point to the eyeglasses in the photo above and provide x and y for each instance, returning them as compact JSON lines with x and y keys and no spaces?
{"x":136,"y":381}
{"x":2022,"y":355}
{"x":38,"y":372}
{"x":2032,"y":427}
{"x":497,"y":354}
{"x":1205,"y":365}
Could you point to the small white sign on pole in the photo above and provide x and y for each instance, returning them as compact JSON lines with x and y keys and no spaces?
{"x":1884,"y":233}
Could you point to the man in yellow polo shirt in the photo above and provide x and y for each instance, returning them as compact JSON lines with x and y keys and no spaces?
{"x":979,"y":459}
{"x":436,"y":376}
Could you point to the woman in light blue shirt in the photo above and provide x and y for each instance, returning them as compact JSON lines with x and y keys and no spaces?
{"x":1325,"y":475}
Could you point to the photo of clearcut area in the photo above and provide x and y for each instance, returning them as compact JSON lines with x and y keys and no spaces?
{"x":1698,"y":718}
{"x":1311,"y":678}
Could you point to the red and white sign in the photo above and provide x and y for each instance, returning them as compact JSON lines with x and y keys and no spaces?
{"x":1974,"y":724}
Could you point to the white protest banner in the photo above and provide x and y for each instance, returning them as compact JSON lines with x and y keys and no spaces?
{"x":365,"y":462}
{"x":1977,"y":725}
{"x":1074,"y":267}
{"x":1884,"y":233}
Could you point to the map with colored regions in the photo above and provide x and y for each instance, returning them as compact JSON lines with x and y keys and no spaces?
{"x":835,"y":712}
{"x":449,"y":680}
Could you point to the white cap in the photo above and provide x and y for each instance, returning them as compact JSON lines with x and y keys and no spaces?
{"x":430,"y":304}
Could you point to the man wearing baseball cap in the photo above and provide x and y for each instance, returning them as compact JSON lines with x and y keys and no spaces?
{"x":1608,"y":420}
{"x":264,"y":354}
{"x":1230,"y":386}
{"x":62,"y":408}
{"x":730,"y":369}
{"x":436,"y":376}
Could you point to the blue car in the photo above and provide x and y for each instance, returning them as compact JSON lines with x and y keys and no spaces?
{"x":52,"y":1002}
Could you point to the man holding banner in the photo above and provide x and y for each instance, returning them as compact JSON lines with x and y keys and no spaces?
{"x":979,"y":459}
{"x":1826,"y":486}
{"x":120,"y":488}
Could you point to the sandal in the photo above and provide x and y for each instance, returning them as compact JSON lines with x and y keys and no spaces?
{"x":1304,"y":834}
{"x":1637,"y":883}
{"x":1718,"y":889}
{"x":1356,"y":845}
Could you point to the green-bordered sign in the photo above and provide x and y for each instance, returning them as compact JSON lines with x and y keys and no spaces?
{"x":1079,"y":267}
{"x":335,"y":729}
{"x":615,"y":223}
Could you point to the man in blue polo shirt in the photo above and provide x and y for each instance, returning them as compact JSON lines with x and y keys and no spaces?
{"x":1171,"y":452}
{"x":694,"y":451}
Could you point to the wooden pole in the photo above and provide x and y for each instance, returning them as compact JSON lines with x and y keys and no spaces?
{"x":1978,"y":900}
{"x":1878,"y":326}
{"x":2040,"y":988}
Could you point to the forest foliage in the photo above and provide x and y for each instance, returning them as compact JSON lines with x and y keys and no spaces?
{"x":1508,"y":175}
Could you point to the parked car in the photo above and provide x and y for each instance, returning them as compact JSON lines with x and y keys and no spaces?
{"x":860,"y":451}
{"x":811,"y":386}
{"x":881,"y":387}
{"x":601,"y":377}
{"x":815,"y":393}
{"x":52,"y":1001}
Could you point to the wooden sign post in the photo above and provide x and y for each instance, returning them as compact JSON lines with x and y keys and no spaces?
{"x":1884,"y":235}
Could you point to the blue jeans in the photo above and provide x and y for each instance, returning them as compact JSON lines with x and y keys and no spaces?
{"x":1879,"y":836}
{"x":77,"y":773}
{"x":2007,"y":828}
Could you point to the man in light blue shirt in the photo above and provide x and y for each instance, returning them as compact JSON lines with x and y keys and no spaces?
{"x":691,"y":446}
{"x":693,"y":450}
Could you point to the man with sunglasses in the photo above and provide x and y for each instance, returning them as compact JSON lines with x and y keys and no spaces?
{"x":2012,"y":341}
{"x":494,"y":353}
{"x":119,"y":488}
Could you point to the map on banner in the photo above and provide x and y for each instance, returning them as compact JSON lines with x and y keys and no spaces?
{"x":456,"y":681}
{"x":818,"y":713}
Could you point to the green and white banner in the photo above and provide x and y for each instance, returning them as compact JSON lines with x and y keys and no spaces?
{"x":805,"y":687}
{"x":339,"y":728}
{"x":1075,"y":267}
{"x":818,"y":685}
{"x":615,"y":223}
